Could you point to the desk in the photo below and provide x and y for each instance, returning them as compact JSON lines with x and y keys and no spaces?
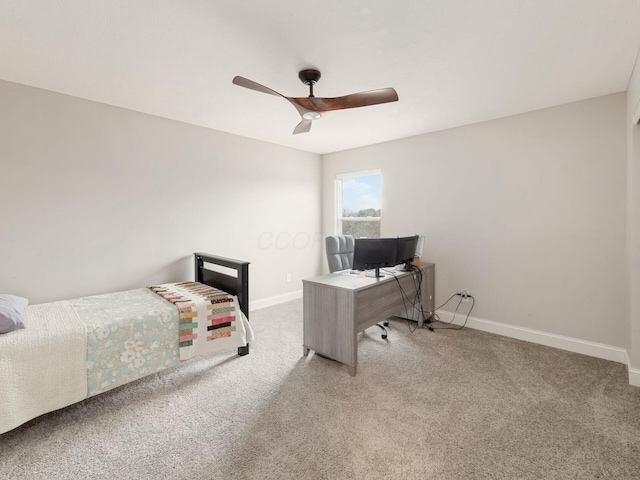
{"x":337,"y":307}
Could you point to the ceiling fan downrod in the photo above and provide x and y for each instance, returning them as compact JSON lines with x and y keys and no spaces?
{"x":309,"y":77}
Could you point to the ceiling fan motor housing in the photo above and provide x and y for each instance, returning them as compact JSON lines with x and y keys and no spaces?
{"x":309,"y":76}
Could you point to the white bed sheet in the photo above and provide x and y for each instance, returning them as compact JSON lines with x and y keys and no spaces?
{"x":42,"y":367}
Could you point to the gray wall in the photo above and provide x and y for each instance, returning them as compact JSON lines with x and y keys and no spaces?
{"x":95,"y":199}
{"x":525,"y":212}
{"x":633,"y":202}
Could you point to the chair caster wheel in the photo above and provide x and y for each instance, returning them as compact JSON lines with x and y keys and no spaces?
{"x":384,"y":337}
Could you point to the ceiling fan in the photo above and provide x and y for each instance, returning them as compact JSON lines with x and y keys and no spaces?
{"x":311,"y":107}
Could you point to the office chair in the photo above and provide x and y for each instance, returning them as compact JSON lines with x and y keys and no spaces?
{"x":340,"y":250}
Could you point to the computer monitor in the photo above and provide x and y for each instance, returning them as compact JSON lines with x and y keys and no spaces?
{"x":406,"y":250}
{"x":373,"y":253}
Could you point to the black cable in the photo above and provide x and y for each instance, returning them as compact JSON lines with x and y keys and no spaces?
{"x":403,"y":295}
{"x":448,"y":299}
{"x":417,"y":283}
{"x":473,"y":302}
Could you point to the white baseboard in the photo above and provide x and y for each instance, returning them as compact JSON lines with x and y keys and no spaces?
{"x":276,"y":300}
{"x":593,"y":349}
{"x":634,"y":374}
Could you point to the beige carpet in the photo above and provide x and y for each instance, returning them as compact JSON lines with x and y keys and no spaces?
{"x":444,"y":405}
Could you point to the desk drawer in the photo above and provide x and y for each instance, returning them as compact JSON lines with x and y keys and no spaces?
{"x":376,"y":304}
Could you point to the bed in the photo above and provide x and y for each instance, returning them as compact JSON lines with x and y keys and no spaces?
{"x":75,"y":349}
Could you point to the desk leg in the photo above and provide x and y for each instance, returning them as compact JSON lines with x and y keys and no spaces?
{"x":305,"y":350}
{"x":352,"y":370}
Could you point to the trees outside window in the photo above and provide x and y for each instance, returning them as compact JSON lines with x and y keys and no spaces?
{"x":358,"y":200}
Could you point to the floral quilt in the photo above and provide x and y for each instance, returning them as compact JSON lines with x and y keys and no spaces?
{"x":130,"y":335}
{"x":135,"y":333}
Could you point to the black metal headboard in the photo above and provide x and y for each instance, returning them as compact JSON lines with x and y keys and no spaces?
{"x":235,"y":285}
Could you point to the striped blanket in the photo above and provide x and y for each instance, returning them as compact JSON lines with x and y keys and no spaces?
{"x":210,"y":319}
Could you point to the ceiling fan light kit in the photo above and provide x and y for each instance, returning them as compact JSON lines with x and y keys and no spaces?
{"x":310,"y":107}
{"x":311,"y":115}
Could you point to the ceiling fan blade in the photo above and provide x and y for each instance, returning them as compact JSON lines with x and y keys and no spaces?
{"x":251,"y":85}
{"x":303,"y":127}
{"x":362,"y":99}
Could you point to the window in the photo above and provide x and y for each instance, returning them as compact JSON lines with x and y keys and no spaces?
{"x":358,"y":198}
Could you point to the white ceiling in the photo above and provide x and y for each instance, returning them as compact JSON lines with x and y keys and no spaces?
{"x":452,"y":62}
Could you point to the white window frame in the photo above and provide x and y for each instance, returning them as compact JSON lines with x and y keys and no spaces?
{"x":338,"y":198}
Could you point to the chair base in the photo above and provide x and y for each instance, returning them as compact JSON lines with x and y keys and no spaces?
{"x":384,"y":330}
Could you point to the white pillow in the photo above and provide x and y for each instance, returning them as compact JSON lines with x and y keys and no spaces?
{"x":11,"y":308}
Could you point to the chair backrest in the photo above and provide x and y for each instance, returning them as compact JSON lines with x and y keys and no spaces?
{"x":339,"y":252}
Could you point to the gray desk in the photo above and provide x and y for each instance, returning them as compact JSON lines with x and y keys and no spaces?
{"x":337,"y":307}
